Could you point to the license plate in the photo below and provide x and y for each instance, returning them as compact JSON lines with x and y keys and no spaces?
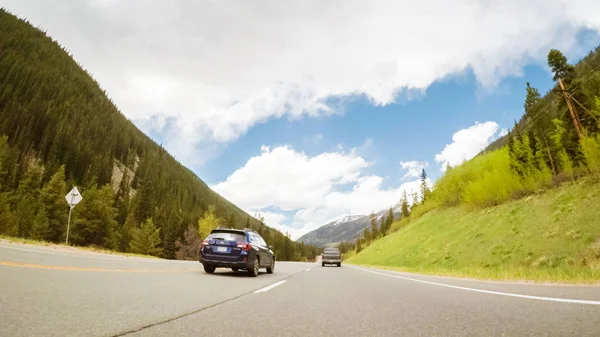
{"x":222,"y":249}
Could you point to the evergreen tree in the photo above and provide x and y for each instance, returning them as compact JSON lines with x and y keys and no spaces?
{"x":27,"y":198}
{"x":9,"y":223}
{"x":415,"y":198}
{"x":383,"y":226}
{"x":41,"y":225}
{"x":528,"y":158}
{"x":52,"y":198}
{"x":359,"y":243}
{"x":389,"y":219}
{"x":146,"y":239}
{"x":559,"y":66}
{"x":4,"y":151}
{"x":405,"y":209}
{"x":533,"y":140}
{"x":122,"y":199}
{"x":126,"y":231}
{"x":522,"y":160}
{"x":169,"y":243}
{"x":367,"y":236}
{"x":145,"y":206}
{"x":93,"y":219}
{"x":590,"y":147}
{"x":564,"y":161}
{"x":424,"y":187}
{"x":231,"y":221}
{"x":374,"y":229}
{"x":541,"y":161}
{"x":511,"y":146}
{"x":531,"y":99}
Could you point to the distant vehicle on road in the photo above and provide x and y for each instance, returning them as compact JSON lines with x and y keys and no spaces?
{"x":331,"y":256}
{"x":238,"y":249}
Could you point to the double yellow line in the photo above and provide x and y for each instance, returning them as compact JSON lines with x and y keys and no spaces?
{"x":41,"y":266}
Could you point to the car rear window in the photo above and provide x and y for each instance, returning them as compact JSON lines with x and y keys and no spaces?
{"x":227,"y":236}
{"x":331,"y":250}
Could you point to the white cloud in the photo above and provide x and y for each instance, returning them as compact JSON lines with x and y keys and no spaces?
{"x":467,"y":143}
{"x":271,"y":218}
{"x":219,"y":68}
{"x":288,"y":179}
{"x":413,"y":168}
{"x":317,"y":189}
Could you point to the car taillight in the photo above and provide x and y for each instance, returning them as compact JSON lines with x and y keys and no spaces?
{"x":244,"y":246}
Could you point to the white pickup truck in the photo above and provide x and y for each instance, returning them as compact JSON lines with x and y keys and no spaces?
{"x":331,"y":256}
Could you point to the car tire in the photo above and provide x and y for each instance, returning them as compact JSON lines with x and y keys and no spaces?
{"x":271,"y":268}
{"x":209,"y":269}
{"x":339,"y":264}
{"x":322,"y":264}
{"x":235,"y":269}
{"x":254,"y":270}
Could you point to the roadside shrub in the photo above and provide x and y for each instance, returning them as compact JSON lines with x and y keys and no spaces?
{"x":486,"y":180}
{"x":590,"y":147}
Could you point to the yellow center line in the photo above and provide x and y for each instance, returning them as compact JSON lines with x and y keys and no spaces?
{"x":41,"y":266}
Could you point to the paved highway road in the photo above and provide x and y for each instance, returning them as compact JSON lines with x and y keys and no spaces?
{"x":48,"y":292}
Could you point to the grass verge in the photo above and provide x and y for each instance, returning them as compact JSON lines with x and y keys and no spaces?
{"x":91,"y":249}
{"x":550,"y":237}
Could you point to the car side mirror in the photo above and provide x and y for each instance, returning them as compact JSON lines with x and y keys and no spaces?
{"x":270,"y":247}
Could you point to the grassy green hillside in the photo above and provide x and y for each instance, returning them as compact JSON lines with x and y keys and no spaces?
{"x":58,"y":128}
{"x":528,"y":207}
{"x":549,"y":236}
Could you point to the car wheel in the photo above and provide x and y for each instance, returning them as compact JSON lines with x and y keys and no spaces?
{"x":339,"y":264}
{"x":322,"y":264}
{"x":209,"y":269}
{"x":235,"y":269}
{"x":271,"y":268}
{"x":254,"y":270}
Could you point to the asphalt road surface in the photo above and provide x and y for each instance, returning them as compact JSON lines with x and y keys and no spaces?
{"x":49,"y":292}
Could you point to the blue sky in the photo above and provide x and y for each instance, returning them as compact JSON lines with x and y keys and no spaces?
{"x":308,"y":111}
{"x":413,"y":130}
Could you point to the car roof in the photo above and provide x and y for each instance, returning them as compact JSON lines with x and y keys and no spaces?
{"x":232,"y":230}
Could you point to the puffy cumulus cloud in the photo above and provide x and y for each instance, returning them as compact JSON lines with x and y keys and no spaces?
{"x":467,"y":143}
{"x":413,"y":168}
{"x":288,"y":179}
{"x":271,"y":218}
{"x":217,"y":68}
{"x":317,"y":189}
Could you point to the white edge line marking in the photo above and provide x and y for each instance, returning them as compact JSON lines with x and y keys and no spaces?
{"x":267,"y":288}
{"x":551,"y":299}
{"x":307,"y":269}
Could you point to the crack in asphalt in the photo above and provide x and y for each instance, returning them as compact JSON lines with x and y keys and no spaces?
{"x":147,"y":326}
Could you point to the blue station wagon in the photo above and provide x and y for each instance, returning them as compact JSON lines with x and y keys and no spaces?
{"x":238,"y":249}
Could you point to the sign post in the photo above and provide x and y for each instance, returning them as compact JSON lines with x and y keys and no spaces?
{"x":73,"y":198}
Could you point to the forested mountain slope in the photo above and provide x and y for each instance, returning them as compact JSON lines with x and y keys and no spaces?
{"x":582,"y":82}
{"x":60,"y":129}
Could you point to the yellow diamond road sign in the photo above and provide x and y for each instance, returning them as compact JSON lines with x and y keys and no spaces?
{"x":74,"y":197}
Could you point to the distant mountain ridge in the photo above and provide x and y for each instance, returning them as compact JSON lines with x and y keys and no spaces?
{"x":344,"y":229}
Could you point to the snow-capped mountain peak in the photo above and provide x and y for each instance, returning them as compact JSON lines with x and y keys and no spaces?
{"x":346,"y":218}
